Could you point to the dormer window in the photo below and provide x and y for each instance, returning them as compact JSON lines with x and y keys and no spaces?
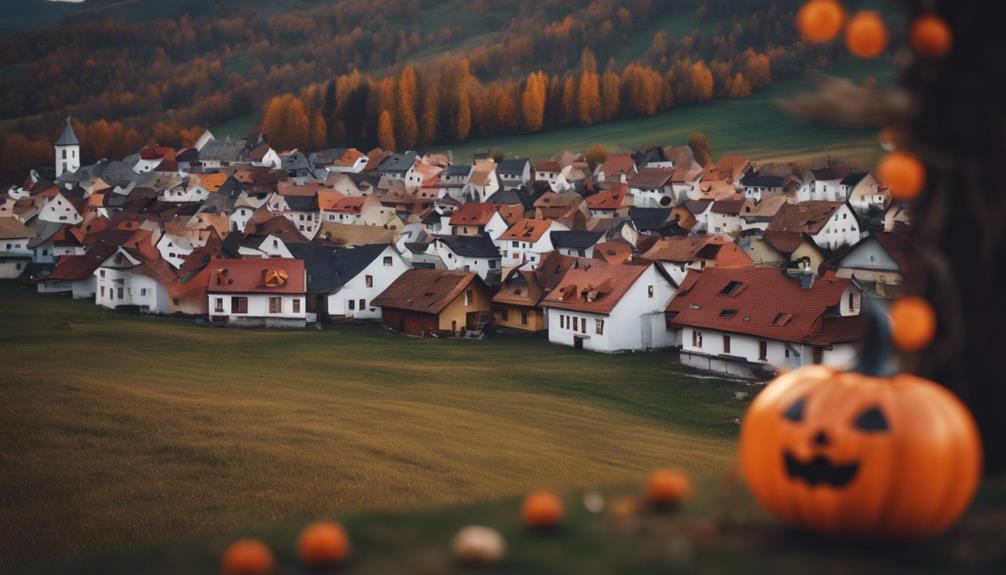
{"x":732,"y":288}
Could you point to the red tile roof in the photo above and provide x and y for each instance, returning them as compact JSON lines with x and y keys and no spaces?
{"x":651,"y":178}
{"x":618,"y":164}
{"x":269,"y":275}
{"x":594,"y":287}
{"x":805,"y":217}
{"x":613,"y":252}
{"x":757,"y":301}
{"x":612,"y":199}
{"x":527,"y":230}
{"x":687,"y":249}
{"x":473,"y":214}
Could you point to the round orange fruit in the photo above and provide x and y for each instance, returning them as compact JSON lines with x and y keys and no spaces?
{"x":931,"y":37}
{"x":913,"y":323}
{"x":866,"y":34}
{"x":903,"y":173}
{"x":323,"y":543}
{"x":542,"y":510}
{"x":667,"y":488}
{"x":820,"y":21}
{"x":247,"y":557}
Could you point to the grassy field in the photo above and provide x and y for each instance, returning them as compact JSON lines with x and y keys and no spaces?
{"x":118,"y":432}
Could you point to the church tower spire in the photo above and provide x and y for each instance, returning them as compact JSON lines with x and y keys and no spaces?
{"x":67,"y":151}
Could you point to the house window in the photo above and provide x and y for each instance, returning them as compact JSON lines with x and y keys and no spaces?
{"x":275,"y":305}
{"x":101,"y":273}
{"x":504,"y":314}
{"x":239,"y":304}
{"x":218,"y":304}
{"x":697,"y":339}
{"x":562,"y":321}
{"x":102,"y":290}
{"x":523,"y":318}
{"x":493,"y":264}
{"x":599,"y":326}
{"x":143,"y":291}
{"x":515,"y":244}
{"x":352,"y":304}
{"x":275,"y":243}
{"x":649,"y":291}
{"x":121,"y":293}
{"x":763,"y":350}
{"x":370,"y":281}
{"x":387,"y":261}
{"x":576,"y":323}
{"x":363,"y":304}
{"x":296,"y":305}
{"x":469,"y":296}
{"x":726,"y":344}
{"x":583,"y":325}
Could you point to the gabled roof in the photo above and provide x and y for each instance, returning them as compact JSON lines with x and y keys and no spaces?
{"x":754,"y":180}
{"x":805,"y":217}
{"x":512,"y":167}
{"x":457,"y":171}
{"x":853,"y":178}
{"x":579,"y":240}
{"x":353,"y":235}
{"x":473,"y":214}
{"x":227,"y":150}
{"x":426,"y":290}
{"x":78,"y":267}
{"x":470,"y":246}
{"x":728,"y":207}
{"x":527,"y":287}
{"x":647,"y":219}
{"x":526,"y":230}
{"x":257,"y":276}
{"x":593,"y":286}
{"x":618,"y":164}
{"x":758,"y":301}
{"x":651,"y":178}
{"x":396,"y":163}
{"x":329,"y":268}
{"x":11,"y":228}
{"x":611,"y":199}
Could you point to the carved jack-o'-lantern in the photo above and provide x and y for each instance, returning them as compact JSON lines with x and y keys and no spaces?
{"x":864,"y":453}
{"x":275,"y":278}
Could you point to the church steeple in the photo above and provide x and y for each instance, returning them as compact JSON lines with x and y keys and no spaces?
{"x":67,"y":151}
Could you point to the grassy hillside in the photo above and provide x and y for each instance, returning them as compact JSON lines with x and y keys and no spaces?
{"x":755,"y":126}
{"x":117,"y":431}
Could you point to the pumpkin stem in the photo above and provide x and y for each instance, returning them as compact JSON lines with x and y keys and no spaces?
{"x":877,"y":357}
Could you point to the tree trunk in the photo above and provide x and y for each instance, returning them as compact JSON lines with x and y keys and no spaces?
{"x":959,"y":222}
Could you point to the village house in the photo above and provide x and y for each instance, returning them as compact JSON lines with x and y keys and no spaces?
{"x":724,"y":217}
{"x":60,"y":209}
{"x":400,"y":168}
{"x":609,"y":307}
{"x":478,"y":218}
{"x":758,"y":214}
{"x":830,"y":224}
{"x":750,"y":322}
{"x":14,"y":252}
{"x":482,"y":183}
{"x":453,"y":180}
{"x":258,"y":292}
{"x":76,"y":274}
{"x":517,"y":305}
{"x":526,"y":241}
{"x":865,"y":193}
{"x":547,"y":172}
{"x":652,"y":188}
{"x":678,"y":255}
{"x":616,"y":168}
{"x":514,"y":173}
{"x":610,"y":203}
{"x":425,"y":302}
{"x":471,"y":254}
{"x":756,"y":186}
{"x":135,"y":276}
{"x":823,"y":185}
{"x":877,"y":264}
{"x":576,"y":243}
{"x":343,"y":282}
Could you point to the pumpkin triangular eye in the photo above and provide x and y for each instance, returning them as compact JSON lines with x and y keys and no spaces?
{"x":872,"y":420}
{"x":795,"y":411}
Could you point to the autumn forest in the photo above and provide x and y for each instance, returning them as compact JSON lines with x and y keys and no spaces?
{"x":385,"y":73}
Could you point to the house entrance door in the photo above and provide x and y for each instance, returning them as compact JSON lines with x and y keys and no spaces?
{"x":577,"y":342}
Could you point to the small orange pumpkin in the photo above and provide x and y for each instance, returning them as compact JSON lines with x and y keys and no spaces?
{"x":542,"y":510}
{"x":861,"y":454}
{"x":667,"y":488}
{"x":932,"y":37}
{"x":247,"y":557}
{"x":323,"y":543}
{"x":820,"y":21}
{"x":866,"y":34}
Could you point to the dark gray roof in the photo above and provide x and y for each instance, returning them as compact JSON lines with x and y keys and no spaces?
{"x":754,"y":180}
{"x":512,"y":197}
{"x":68,"y":137}
{"x":579,"y":240}
{"x":853,"y":178}
{"x":650,"y":218}
{"x":328,"y":268}
{"x":44,"y":233}
{"x":327,"y":157}
{"x":302,"y":203}
{"x":397,"y":163}
{"x":512,"y":167}
{"x":458,"y":170}
{"x":295,"y":161}
{"x":222,"y":150}
{"x":471,"y":246}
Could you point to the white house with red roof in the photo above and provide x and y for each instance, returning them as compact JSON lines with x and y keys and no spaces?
{"x":526,"y":241}
{"x":610,"y":307}
{"x":751,"y":322}
{"x":477,"y":218}
{"x":258,"y":292}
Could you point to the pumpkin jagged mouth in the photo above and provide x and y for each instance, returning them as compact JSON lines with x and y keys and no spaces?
{"x":819,"y":470}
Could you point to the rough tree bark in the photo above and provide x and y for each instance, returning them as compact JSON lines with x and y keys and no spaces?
{"x":958,"y":127}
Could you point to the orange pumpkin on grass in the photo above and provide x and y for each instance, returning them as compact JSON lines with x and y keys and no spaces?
{"x":667,"y":488}
{"x":869,"y":453}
